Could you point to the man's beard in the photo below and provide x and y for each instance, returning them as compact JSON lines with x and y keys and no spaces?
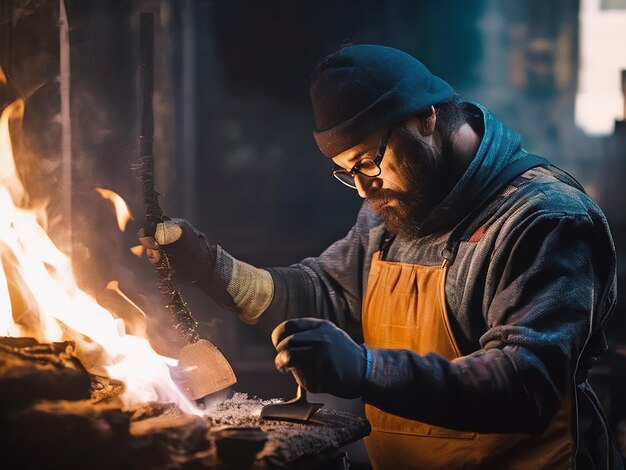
{"x":429,"y":176}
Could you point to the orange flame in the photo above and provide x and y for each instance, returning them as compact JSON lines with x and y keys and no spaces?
{"x":135,"y":318}
{"x":37,"y":277}
{"x":9,"y":178}
{"x":122,"y":212}
{"x":138,"y":250}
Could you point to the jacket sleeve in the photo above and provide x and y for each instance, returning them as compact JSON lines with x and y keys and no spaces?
{"x":553,"y":279}
{"x":329,"y":286}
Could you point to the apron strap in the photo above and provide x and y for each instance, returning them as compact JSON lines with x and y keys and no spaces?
{"x":492,"y":199}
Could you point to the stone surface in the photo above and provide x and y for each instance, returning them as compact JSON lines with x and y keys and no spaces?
{"x":52,"y":410}
{"x":31,"y":372}
{"x":295,"y":445}
{"x":73,"y":434}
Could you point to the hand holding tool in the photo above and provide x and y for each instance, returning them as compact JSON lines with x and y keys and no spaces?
{"x":322,"y":356}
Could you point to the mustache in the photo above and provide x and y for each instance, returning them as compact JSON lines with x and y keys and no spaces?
{"x":382,"y":197}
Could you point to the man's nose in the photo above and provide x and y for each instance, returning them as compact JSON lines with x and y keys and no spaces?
{"x":365,"y":185}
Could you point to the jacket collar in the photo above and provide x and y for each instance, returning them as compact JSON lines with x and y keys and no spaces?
{"x":499,"y":147}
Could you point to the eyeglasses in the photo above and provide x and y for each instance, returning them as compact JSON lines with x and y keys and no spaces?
{"x":367,"y":167}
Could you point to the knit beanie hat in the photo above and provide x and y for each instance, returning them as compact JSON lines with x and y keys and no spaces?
{"x":363,"y":88}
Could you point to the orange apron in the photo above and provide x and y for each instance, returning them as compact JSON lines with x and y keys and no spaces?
{"x":405,"y":308}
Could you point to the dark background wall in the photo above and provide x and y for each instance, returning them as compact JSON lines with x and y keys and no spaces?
{"x":234,"y":149}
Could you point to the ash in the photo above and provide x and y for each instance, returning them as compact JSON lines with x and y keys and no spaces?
{"x":289,"y":441}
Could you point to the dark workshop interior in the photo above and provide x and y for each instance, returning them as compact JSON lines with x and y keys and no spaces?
{"x":234,"y":151}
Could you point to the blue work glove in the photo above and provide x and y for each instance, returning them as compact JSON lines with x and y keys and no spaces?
{"x":322,"y":357}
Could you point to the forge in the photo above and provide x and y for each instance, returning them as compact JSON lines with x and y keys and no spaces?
{"x":54,"y":412}
{"x":81,"y":385}
{"x":85,"y":375}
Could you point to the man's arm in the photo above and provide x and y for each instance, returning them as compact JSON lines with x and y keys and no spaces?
{"x":329,"y":286}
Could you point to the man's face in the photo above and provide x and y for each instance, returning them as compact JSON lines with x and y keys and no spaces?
{"x":415,"y":176}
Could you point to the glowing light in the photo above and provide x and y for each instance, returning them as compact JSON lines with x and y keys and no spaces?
{"x":139,"y":320}
{"x":122,"y":212}
{"x":9,"y":178}
{"x":138,"y":250}
{"x":3,"y":78}
{"x":38,"y":277}
{"x":599,"y":100}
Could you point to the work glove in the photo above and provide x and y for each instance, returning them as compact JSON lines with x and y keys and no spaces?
{"x":190,"y":254}
{"x":231,"y":283}
{"x":322,"y":357}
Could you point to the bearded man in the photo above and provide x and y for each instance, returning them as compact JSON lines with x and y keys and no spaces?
{"x":466,"y":304}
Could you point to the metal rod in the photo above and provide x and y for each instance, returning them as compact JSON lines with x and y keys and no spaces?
{"x":184,"y":323}
{"x":154,"y":214}
{"x":66,"y":126}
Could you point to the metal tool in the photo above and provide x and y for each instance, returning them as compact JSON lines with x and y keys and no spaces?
{"x":298,"y":409}
{"x":203,"y":367}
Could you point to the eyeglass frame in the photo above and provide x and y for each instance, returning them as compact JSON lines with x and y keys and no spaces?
{"x":382,"y":149}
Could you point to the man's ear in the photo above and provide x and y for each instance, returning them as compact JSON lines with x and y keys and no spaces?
{"x":428,"y":120}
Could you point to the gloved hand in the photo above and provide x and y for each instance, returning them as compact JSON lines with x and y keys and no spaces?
{"x":323,"y":358}
{"x":189,"y":252}
{"x":231,"y":283}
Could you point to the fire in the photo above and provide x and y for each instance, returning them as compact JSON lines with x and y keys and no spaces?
{"x":9,"y":179}
{"x":39,"y":296}
{"x":137,"y":250}
{"x":122,"y":212}
{"x":135,"y":320}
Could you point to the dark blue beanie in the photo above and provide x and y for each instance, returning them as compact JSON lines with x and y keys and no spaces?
{"x":361,"y":89}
